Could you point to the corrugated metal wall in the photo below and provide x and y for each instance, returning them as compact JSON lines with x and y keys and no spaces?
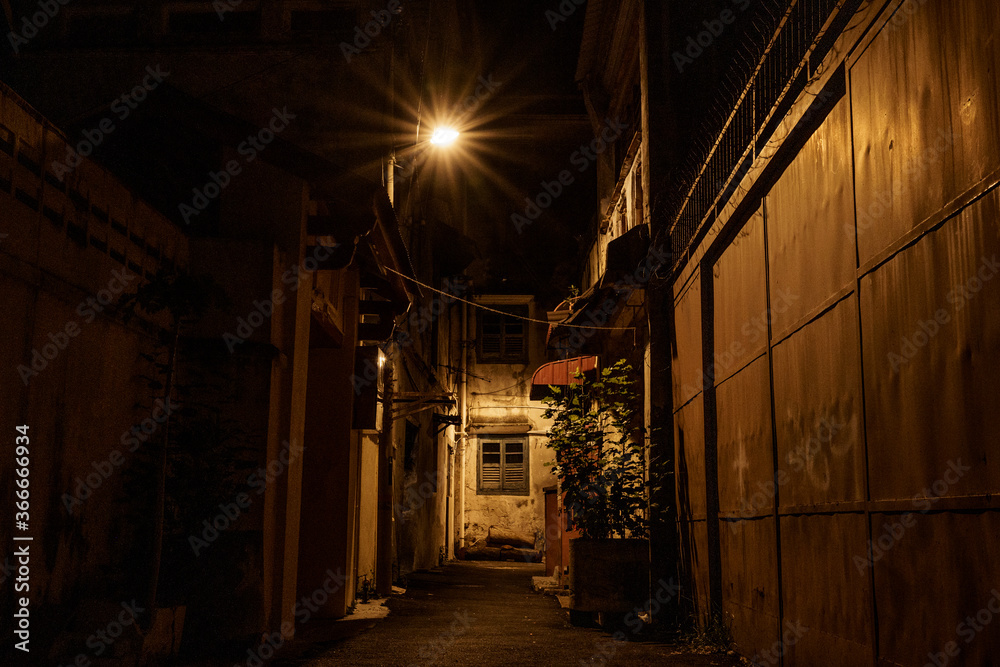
{"x":835,"y":401}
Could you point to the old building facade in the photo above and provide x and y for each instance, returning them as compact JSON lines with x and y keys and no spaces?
{"x":198,"y":388}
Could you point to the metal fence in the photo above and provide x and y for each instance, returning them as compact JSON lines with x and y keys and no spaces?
{"x":781,"y":43}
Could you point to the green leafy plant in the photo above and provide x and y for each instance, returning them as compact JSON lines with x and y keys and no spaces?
{"x":597,"y":437}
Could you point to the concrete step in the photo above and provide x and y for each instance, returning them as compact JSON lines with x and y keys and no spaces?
{"x":545,"y":585}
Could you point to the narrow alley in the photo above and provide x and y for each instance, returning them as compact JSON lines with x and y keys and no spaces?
{"x":481,"y":614}
{"x":580,"y":332}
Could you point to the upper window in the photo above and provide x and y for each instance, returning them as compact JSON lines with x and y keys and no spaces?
{"x":503,"y":338}
{"x":503,"y":465}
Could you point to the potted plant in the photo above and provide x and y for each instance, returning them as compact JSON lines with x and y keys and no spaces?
{"x":597,"y":436}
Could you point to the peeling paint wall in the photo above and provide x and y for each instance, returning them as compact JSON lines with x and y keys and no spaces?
{"x":499,"y":407}
{"x":523,"y":513}
{"x":72,"y":366}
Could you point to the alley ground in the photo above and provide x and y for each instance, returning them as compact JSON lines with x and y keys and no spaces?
{"x":481,"y":614}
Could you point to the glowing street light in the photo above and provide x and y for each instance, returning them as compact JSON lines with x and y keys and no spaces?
{"x":444,"y":136}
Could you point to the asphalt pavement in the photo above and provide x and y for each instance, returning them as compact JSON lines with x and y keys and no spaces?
{"x":484,"y":614}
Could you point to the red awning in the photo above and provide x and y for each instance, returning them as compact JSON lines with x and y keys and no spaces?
{"x":560,"y":373}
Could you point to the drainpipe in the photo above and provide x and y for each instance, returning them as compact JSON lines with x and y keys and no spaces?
{"x":464,"y":433}
{"x":449,"y":508}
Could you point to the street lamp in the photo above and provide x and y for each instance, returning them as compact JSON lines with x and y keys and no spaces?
{"x":444,"y":136}
{"x":441,"y":137}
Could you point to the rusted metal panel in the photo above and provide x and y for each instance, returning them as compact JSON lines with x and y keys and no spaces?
{"x":936,"y":581}
{"x":740,"y":300}
{"x":689,"y":454}
{"x":924,"y":125}
{"x":925,"y":118}
{"x":750,"y":583}
{"x":810,"y":223}
{"x":827,"y":599}
{"x":686,"y":370}
{"x":818,"y":411}
{"x":746,"y":460}
{"x":694,"y":565}
{"x":931,"y":341}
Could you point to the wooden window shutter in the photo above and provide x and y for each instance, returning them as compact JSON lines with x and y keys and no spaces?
{"x":491,"y":466}
{"x":513,"y":465}
{"x":513,"y":339}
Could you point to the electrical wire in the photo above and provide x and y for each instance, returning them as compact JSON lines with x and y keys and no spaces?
{"x":497,"y":391}
{"x":502,"y":312}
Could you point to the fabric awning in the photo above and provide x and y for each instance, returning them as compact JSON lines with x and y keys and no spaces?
{"x":561,"y":373}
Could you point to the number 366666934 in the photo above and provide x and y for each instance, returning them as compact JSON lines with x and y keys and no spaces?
{"x":22,"y":460}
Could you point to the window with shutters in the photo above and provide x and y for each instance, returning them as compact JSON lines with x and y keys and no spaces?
{"x":503,"y":465}
{"x":503,"y":338}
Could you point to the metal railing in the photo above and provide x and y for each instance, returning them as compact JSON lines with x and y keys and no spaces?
{"x":769,"y":68}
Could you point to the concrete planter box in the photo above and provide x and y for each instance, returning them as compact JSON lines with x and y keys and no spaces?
{"x":608,"y":575}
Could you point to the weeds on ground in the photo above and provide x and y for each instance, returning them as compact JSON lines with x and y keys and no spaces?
{"x":711,"y":637}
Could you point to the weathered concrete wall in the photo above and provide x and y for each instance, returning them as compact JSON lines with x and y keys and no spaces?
{"x":832,"y":380}
{"x":71,"y":367}
{"x":91,"y":239}
{"x":420,"y":484}
{"x":368,"y":508}
{"x":523,"y":513}
{"x":499,"y":406}
{"x":275,"y":219}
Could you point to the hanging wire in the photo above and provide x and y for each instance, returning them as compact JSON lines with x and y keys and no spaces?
{"x":502,"y":312}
